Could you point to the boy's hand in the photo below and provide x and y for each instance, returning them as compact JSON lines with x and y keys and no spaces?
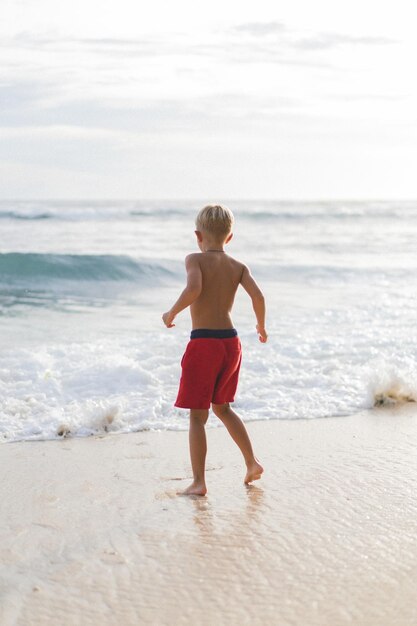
{"x":263,"y":335}
{"x":168,"y":318}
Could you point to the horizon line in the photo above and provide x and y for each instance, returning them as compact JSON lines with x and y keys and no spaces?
{"x":226,"y":199}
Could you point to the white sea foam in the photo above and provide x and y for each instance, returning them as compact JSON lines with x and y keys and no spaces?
{"x":394,"y":383}
{"x":120,"y":386}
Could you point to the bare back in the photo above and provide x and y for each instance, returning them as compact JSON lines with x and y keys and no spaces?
{"x":221,"y":276}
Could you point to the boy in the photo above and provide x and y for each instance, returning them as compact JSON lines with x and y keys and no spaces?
{"x":211,"y":362}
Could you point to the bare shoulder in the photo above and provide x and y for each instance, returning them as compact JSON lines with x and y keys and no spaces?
{"x":248,"y":282}
{"x":192,"y":259}
{"x":236,"y":262}
{"x":240,"y":267}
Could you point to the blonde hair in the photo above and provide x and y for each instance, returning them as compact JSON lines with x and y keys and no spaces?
{"x":216,"y":220}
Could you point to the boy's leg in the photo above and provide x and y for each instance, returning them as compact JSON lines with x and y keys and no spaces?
{"x":198,"y":450}
{"x":239,"y":434}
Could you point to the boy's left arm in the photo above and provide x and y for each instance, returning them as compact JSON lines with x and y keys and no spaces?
{"x":191,"y":291}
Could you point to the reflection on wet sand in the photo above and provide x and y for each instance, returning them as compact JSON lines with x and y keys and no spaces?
{"x":212,"y":521}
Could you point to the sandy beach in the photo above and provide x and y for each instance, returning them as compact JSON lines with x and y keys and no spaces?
{"x":92,"y":531}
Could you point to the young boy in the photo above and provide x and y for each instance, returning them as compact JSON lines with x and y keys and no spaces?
{"x":211,"y":362}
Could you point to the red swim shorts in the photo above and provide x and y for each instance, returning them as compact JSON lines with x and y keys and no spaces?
{"x":210,"y":372}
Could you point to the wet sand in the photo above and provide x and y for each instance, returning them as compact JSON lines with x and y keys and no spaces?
{"x":92,"y":531}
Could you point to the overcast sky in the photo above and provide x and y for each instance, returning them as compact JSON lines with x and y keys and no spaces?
{"x":218,"y":100}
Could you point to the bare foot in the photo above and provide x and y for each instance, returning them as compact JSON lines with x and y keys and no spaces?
{"x":195,"y":489}
{"x":255,"y":471}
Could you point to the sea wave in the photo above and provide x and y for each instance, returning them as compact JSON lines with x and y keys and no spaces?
{"x":262,"y":210}
{"x":42,"y":215}
{"x":50,"y":270}
{"x":32,"y":266}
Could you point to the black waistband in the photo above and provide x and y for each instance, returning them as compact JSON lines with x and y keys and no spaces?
{"x":213,"y":333}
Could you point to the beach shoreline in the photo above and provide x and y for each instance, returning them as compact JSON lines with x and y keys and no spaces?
{"x":93,"y":531}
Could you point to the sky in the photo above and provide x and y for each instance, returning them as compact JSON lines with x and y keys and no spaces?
{"x":221,"y":100}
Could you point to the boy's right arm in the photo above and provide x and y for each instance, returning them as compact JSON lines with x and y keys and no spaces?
{"x":258,"y":302}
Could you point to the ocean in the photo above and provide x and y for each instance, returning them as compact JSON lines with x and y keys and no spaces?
{"x":83,"y":286}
